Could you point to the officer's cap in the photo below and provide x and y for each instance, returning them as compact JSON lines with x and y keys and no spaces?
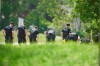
{"x":12,"y":23}
{"x":67,"y":24}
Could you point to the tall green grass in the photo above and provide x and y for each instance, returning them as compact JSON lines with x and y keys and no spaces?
{"x":50,"y":54}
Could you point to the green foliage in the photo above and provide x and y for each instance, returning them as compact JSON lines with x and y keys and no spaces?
{"x":81,"y":34}
{"x":9,"y":10}
{"x":37,"y":12}
{"x":12,"y":9}
{"x":48,"y":13}
{"x":88,"y":11}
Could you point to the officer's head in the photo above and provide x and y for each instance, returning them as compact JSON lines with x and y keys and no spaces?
{"x":11,"y":24}
{"x":67,"y":25}
{"x":36,"y":27}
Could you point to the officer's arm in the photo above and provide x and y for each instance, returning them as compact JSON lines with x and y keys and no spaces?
{"x":37,"y":37}
{"x":45,"y":32}
{"x":17,"y":32}
{"x":62,"y":34}
{"x":13,"y":34}
{"x":3,"y":32}
{"x":69,"y":31}
{"x":26,"y":32}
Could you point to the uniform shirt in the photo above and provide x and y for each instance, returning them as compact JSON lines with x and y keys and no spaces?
{"x":51,"y":31}
{"x":21,"y":31}
{"x":8,"y":30}
{"x":34,"y":32}
{"x":66,"y":32}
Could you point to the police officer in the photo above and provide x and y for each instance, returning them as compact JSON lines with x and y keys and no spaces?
{"x":65,"y":32}
{"x":21,"y":34}
{"x":50,"y":35}
{"x":8,"y":33}
{"x":34,"y":34}
{"x":73,"y":36}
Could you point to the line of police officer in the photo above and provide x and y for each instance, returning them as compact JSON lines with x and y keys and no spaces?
{"x":8,"y":33}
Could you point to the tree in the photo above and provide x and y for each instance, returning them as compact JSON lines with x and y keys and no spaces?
{"x":12,"y":9}
{"x":52,"y":13}
{"x":9,"y":9}
{"x":89,"y":13}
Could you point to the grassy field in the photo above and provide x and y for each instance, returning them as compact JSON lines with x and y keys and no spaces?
{"x":70,"y":54}
{"x":49,"y":54}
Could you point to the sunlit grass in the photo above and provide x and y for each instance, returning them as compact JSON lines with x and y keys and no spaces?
{"x":70,"y":54}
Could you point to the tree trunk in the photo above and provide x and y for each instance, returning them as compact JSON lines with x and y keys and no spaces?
{"x":77,"y":24}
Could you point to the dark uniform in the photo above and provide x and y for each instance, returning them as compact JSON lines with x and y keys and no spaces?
{"x":21,"y":34}
{"x":73,"y":36}
{"x":65,"y":32}
{"x":50,"y":35}
{"x":33,"y":35}
{"x":8,"y":34}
